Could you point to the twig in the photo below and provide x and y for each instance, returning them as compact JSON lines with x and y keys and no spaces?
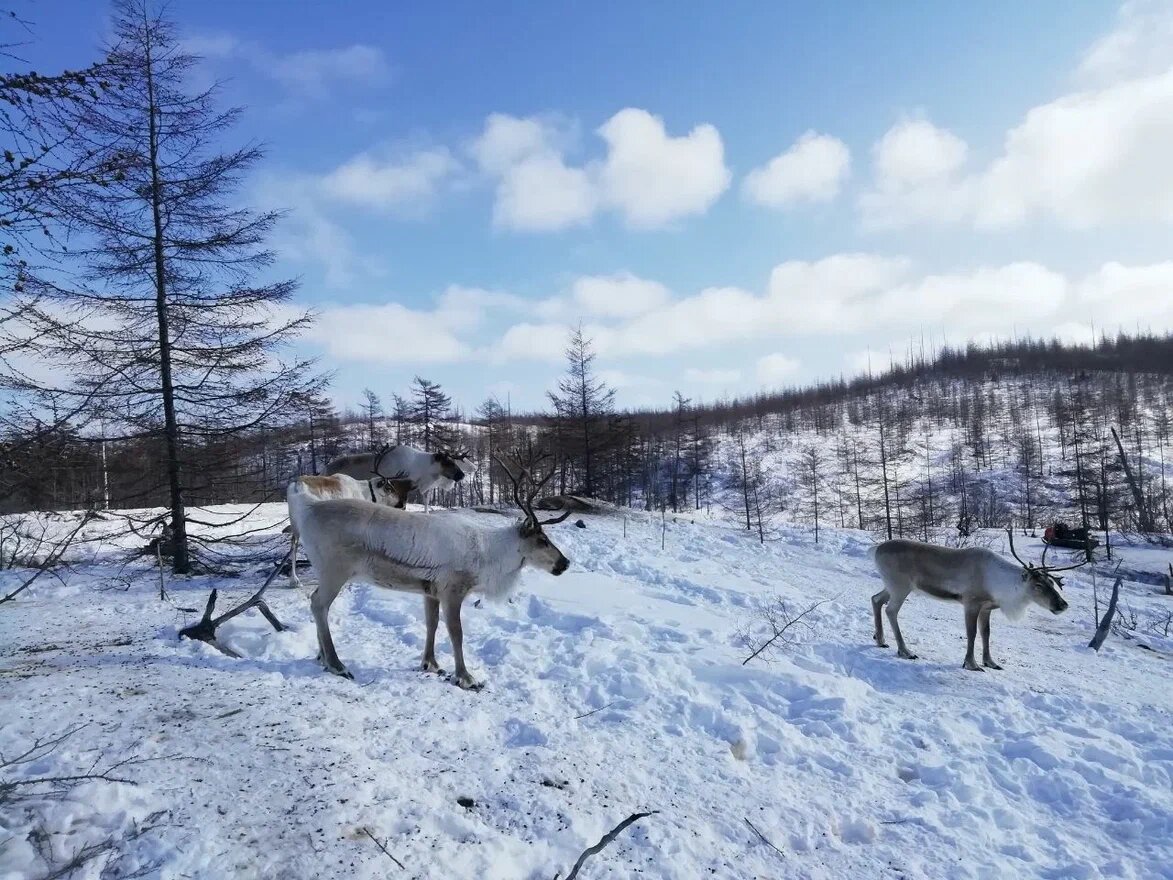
{"x":50,"y":560}
{"x":367,"y":832}
{"x":1106,"y":622}
{"x":593,"y":711}
{"x":606,"y":839}
{"x":782,"y":630}
{"x":763,"y":837}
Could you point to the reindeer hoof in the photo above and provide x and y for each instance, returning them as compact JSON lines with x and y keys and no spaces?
{"x":431,"y":666}
{"x":880,"y":644}
{"x":467,"y":683}
{"x":971,"y":666}
{"x":341,"y":672}
{"x":907,"y":655}
{"x":990,"y":664}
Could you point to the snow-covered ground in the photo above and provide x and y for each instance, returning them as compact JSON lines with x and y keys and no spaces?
{"x":616,"y":688}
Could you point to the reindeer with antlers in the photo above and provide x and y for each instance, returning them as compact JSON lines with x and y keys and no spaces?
{"x":444,"y":558}
{"x":978,"y":578}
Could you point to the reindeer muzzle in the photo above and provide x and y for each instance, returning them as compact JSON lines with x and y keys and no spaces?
{"x":560,"y":566}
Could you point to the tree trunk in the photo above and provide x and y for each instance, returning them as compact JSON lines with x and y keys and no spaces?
{"x":180,"y":563}
{"x":1142,"y":513}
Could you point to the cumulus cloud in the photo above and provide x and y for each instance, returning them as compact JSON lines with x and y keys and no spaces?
{"x":813,"y":170}
{"x":844,"y":293}
{"x":653,"y":178}
{"x":391,"y":333}
{"x":371,"y":182}
{"x":647,"y":176}
{"x":536,"y":190}
{"x":618,"y":296}
{"x":1089,"y":159}
{"x":1131,"y":295}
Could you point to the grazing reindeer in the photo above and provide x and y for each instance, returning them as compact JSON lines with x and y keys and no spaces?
{"x":377,"y":490}
{"x":443,"y":558}
{"x":978,"y":578}
{"x":412,"y":468}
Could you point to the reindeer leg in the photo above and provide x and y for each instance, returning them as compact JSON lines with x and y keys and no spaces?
{"x":456,"y":635}
{"x":984,"y":625}
{"x":294,"y":580}
{"x":320,"y":603}
{"x":878,"y":601}
{"x":971,"y":621}
{"x":892,"y":611}
{"x":432,"y":620}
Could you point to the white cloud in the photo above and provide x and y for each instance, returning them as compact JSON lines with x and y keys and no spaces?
{"x":649,"y":177}
{"x":374,"y":183}
{"x":618,"y":296}
{"x":1141,"y":44}
{"x":916,"y":176}
{"x":1128,"y":296}
{"x":541,"y":193}
{"x":526,"y":341}
{"x":776,"y":369}
{"x":388,"y":333}
{"x":536,"y":190}
{"x":654,"y":178}
{"x":1089,"y":159}
{"x":812,"y":170}
{"x":310,"y":73}
{"x":843,"y":293}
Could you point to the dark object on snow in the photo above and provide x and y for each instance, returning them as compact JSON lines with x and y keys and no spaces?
{"x":579,"y":524}
{"x":1060,"y":535}
{"x":205,"y":630}
{"x":565,"y":502}
{"x":1106,"y":621}
{"x":466,"y":802}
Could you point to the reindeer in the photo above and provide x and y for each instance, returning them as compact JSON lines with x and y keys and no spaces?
{"x":442,"y":558}
{"x":412,"y":468}
{"x":978,"y":578}
{"x":377,"y":490}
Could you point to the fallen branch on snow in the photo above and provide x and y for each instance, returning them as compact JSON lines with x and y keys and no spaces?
{"x":205,"y":630}
{"x":1106,"y":621}
{"x":367,"y":832}
{"x":606,"y":839}
{"x":763,"y":837}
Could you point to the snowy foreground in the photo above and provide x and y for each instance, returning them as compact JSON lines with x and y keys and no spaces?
{"x":614,"y":689}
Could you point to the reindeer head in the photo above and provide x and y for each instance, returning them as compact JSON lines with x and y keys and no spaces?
{"x":445,"y":466}
{"x":1043,"y":587}
{"x":536,"y":549}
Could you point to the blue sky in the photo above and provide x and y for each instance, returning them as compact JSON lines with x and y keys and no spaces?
{"x":728,"y":197}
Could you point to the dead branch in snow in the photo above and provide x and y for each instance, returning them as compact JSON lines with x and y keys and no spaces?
{"x":367,"y":832}
{"x":1106,"y":621}
{"x":205,"y":629}
{"x":763,"y":837}
{"x":782,"y":625}
{"x":49,"y":561}
{"x":606,"y":839}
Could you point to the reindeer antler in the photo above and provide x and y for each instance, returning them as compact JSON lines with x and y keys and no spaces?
{"x":525,"y":500}
{"x":1013,"y":552}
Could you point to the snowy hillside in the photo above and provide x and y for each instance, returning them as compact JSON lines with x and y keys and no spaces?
{"x":616,"y":688}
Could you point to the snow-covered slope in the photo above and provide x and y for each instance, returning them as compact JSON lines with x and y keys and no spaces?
{"x":614,"y":689}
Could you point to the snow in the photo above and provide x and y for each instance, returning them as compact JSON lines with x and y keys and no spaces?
{"x":613,"y":689}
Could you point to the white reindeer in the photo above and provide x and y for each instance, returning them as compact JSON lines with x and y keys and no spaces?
{"x":377,"y":490}
{"x":978,"y":578}
{"x":443,"y":558}
{"x":406,"y":467}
